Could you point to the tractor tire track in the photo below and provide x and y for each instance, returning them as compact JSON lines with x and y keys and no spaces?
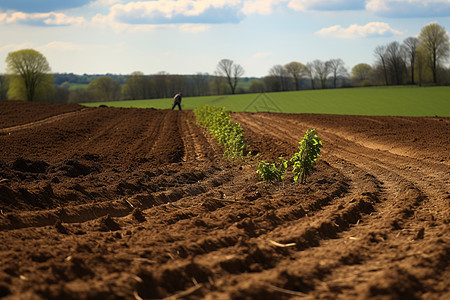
{"x":48,"y":120}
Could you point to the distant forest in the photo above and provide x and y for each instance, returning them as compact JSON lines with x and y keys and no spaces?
{"x":75,"y":88}
{"x":85,"y":79}
{"x":71,"y":87}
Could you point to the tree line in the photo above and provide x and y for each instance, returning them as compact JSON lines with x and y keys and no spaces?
{"x":416,"y":60}
{"x":110,"y":87}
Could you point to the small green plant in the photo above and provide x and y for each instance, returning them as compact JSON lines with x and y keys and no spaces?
{"x":272,"y":172}
{"x":304,"y":160}
{"x":218,"y":123}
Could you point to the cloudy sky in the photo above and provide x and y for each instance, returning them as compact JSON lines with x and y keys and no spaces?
{"x":191,"y":36}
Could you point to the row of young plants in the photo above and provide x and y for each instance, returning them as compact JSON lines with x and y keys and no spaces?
{"x":218,"y":123}
{"x":302,"y":162}
{"x":230,"y":135}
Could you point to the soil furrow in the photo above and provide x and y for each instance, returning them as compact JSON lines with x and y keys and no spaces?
{"x":397,"y":187}
{"x":129,"y":203}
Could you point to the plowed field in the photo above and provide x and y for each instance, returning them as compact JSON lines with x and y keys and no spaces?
{"x":110,"y":203}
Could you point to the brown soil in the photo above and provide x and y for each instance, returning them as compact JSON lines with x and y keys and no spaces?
{"x":109,"y":203}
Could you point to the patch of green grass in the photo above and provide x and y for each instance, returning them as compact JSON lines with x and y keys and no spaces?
{"x":395,"y":101}
{"x":381,"y":101}
{"x":74,"y":86}
{"x":230,"y":102}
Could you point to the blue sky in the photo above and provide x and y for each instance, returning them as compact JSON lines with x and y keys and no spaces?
{"x":188,"y":36}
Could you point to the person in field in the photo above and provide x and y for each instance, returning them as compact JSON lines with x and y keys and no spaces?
{"x":177,"y":101}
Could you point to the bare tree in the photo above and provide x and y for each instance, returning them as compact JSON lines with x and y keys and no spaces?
{"x":310,"y":73}
{"x":296,"y":70}
{"x":322,"y":70}
{"x":218,"y":84}
{"x":201,"y":84}
{"x":337,"y":68}
{"x":380,"y":53}
{"x":410,"y":45}
{"x":280,"y":73}
{"x":176,"y":84}
{"x":161,"y":85}
{"x":231,"y":71}
{"x":395,"y":62}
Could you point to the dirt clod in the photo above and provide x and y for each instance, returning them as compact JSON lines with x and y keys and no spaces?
{"x":138,"y":215}
{"x":107,"y":223}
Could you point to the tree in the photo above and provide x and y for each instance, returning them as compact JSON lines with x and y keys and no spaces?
{"x":257,"y":86}
{"x":61,"y":93}
{"x":79,"y":95}
{"x":106,"y":88}
{"x":218,"y":84}
{"x":162,"y":85}
{"x":420,"y":66}
{"x":201,"y":84}
{"x":30,"y":72}
{"x":135,"y":87}
{"x":231,"y":71}
{"x":322,"y":70}
{"x":296,"y":70}
{"x":434,"y":43}
{"x":280,"y":73}
{"x":177,"y":84}
{"x":271,"y":83}
{"x":4,"y":85}
{"x":337,"y":69}
{"x":361,"y":72}
{"x":410,"y":45}
{"x":395,"y":62}
{"x":380,"y":53}
{"x":310,"y":73}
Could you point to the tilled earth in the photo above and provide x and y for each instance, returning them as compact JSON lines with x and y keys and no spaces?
{"x":109,"y":203}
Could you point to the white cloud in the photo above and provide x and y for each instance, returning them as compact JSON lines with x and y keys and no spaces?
{"x":181,"y":12}
{"x":108,"y":21}
{"x":188,"y":16}
{"x":15,"y":17}
{"x":262,"y":7}
{"x":373,"y":29}
{"x":40,"y":19}
{"x":59,"y":19}
{"x":409,"y":8}
{"x":326,"y":5}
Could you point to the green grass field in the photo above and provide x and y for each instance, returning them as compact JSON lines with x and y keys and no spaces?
{"x":375,"y":101}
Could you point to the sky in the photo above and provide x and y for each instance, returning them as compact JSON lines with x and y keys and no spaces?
{"x":190,"y":37}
